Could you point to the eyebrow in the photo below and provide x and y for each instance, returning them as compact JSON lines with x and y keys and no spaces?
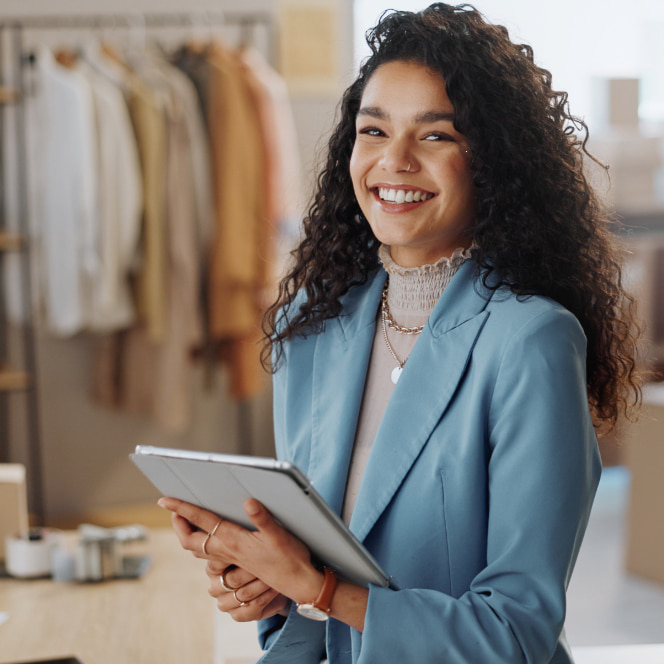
{"x":426,"y":117}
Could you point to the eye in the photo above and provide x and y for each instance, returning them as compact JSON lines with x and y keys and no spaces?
{"x":438,"y":136}
{"x":371,"y":131}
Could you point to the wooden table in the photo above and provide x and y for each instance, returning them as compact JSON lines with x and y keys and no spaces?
{"x":165,"y":617}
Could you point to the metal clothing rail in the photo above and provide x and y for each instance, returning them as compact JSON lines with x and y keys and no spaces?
{"x":246,"y":21}
{"x":216,"y":17}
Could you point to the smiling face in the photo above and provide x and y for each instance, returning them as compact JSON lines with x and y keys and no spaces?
{"x":410,"y":167}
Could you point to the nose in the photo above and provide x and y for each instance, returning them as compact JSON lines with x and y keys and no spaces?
{"x":398,"y":157}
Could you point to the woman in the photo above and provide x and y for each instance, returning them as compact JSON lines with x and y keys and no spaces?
{"x":452,"y":332}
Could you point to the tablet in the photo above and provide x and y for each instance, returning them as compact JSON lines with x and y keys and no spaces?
{"x":221,"y":483}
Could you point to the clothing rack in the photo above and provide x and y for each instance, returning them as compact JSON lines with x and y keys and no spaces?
{"x":152,"y":19}
{"x":13,"y":58}
{"x":247,"y":22}
{"x":19,"y":378}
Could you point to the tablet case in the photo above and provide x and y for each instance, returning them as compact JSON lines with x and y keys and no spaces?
{"x":221,"y":483}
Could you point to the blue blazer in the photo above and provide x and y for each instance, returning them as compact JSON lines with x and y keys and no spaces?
{"x":478,"y":487}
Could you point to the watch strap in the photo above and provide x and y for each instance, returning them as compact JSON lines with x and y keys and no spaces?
{"x":324,"y":599}
{"x":322,"y":605}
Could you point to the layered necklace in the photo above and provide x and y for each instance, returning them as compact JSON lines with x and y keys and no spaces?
{"x":388,"y":321}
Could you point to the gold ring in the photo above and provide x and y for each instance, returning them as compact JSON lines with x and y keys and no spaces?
{"x":237,"y":599}
{"x":205,"y":541}
{"x":224,"y":585}
{"x":212,"y":532}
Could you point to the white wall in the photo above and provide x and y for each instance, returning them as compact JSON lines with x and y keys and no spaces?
{"x":574,"y":39}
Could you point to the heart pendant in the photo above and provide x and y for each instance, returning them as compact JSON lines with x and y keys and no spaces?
{"x":396,"y":373}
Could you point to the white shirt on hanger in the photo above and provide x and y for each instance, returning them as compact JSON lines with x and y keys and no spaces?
{"x":120,"y":201}
{"x":64,"y":163}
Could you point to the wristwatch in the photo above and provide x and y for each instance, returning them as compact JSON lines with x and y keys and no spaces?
{"x":319,"y":609}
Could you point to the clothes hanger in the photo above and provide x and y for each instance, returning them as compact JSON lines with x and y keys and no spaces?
{"x":201,"y":35}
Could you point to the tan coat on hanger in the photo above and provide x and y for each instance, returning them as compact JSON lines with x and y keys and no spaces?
{"x":237,"y":268}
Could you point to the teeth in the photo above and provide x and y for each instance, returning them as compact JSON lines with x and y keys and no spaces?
{"x":402,"y":196}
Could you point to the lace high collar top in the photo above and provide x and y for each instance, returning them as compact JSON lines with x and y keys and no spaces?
{"x":414,"y":291}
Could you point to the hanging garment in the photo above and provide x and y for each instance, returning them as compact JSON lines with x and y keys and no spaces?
{"x":148,"y":115}
{"x":199,"y":148}
{"x":172,"y":371}
{"x":191,"y":59}
{"x":119,"y":205}
{"x":153,"y":376}
{"x":280,"y":136}
{"x":237,"y":274}
{"x":284,"y":199}
{"x":66,"y":215}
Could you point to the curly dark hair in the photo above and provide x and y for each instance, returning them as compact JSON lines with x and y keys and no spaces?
{"x":539,"y":227}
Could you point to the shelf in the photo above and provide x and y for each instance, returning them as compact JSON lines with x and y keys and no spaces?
{"x":8,"y":95}
{"x":11,"y":241}
{"x":13,"y":380}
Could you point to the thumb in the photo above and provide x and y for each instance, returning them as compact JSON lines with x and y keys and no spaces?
{"x":258,"y":515}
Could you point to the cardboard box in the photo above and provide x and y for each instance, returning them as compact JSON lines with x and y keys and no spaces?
{"x":615,"y":101}
{"x":644,"y":453}
{"x":13,"y":503}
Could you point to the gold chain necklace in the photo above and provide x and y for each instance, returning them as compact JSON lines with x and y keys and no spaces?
{"x":387,"y":315}
{"x":387,"y":320}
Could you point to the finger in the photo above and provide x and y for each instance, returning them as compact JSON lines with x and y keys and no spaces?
{"x":260,"y":516}
{"x":266,"y":525}
{"x":253,"y":610}
{"x":182,"y":527}
{"x":191,"y":538}
{"x":197,"y":516}
{"x":236,"y":577}
{"x":215,"y":568}
{"x":244,"y":593}
{"x":247,"y":613}
{"x":249,"y":592}
{"x":226,"y":531}
{"x":278,"y":605}
{"x":185,"y":532}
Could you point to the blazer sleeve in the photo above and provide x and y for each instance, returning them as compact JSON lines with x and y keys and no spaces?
{"x":542,"y":475}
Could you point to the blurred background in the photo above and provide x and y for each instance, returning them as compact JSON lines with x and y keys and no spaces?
{"x":144,"y":330}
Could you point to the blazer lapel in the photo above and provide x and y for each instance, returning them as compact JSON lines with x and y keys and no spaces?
{"x":424,"y":390}
{"x":341,"y":359}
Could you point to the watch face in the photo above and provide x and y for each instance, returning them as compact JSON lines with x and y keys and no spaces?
{"x":311,"y":612}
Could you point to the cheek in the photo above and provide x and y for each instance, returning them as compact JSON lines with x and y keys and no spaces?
{"x":470,"y":194}
{"x":464,"y":188}
{"x":354,"y":168}
{"x":357,"y":175}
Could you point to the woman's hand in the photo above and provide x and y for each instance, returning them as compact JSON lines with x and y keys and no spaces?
{"x":249,"y":598}
{"x":272,"y":564}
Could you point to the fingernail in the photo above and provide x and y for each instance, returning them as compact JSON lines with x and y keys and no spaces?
{"x":160,"y":502}
{"x":252,"y":507}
